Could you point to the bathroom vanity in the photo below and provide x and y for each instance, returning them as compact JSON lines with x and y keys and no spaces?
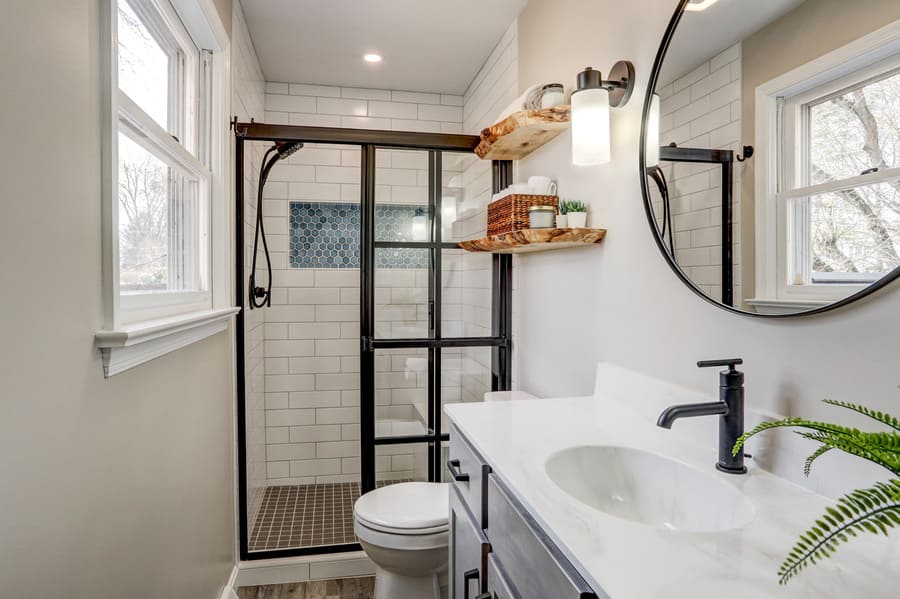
{"x":587,"y":497}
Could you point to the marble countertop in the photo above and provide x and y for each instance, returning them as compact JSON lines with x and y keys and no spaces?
{"x":628,"y":560}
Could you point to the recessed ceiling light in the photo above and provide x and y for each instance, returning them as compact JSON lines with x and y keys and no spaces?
{"x":699,"y":5}
{"x":373,"y":58}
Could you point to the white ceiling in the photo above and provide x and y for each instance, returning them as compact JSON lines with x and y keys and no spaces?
{"x":427,"y":45}
{"x":702,"y":35}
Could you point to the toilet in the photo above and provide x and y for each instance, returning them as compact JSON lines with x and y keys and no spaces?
{"x":403,"y":528}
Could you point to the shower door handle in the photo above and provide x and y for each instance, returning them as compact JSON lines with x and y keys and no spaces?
{"x":431,"y":315}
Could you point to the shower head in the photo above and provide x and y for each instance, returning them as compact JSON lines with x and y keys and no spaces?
{"x":286,"y":148}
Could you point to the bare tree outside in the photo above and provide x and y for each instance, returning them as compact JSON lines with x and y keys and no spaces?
{"x":858,"y":230}
{"x":143,"y":219}
{"x":144,"y":189}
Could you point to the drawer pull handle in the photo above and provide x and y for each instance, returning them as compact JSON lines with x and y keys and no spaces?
{"x":458,"y":476}
{"x":468,"y":577}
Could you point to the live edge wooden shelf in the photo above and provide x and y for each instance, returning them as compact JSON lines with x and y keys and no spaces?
{"x":535,"y":240}
{"x":520,"y":134}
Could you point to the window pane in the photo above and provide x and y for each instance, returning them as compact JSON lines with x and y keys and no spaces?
{"x":466,"y":375}
{"x":466,"y":293}
{"x":401,"y":393}
{"x":465,"y":194}
{"x":144,"y":192}
{"x":855,"y":232}
{"x":401,"y":196}
{"x":855,"y":131}
{"x":402,"y":293}
{"x":143,"y":66}
{"x":401,"y":463}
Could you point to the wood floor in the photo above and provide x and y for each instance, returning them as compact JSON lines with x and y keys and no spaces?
{"x":348,"y":588}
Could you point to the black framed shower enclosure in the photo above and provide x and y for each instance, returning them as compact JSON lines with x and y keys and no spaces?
{"x":369,"y":142}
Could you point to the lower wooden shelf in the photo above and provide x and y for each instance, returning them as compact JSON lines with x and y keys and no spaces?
{"x":535,"y":240}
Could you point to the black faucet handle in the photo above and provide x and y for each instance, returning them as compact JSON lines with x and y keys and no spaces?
{"x":731,"y":363}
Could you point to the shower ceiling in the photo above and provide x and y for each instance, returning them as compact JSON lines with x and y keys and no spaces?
{"x":428,"y":46}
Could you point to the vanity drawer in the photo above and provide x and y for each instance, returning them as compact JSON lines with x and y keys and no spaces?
{"x":499,"y":586}
{"x":533,"y":564}
{"x":469,"y":550}
{"x":470,"y":473}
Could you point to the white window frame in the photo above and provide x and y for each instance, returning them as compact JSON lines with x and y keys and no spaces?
{"x":780,"y":107}
{"x":141,"y":327}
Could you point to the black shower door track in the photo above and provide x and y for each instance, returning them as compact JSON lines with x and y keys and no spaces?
{"x":499,"y":341}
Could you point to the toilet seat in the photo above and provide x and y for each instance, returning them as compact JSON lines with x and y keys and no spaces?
{"x":413,"y":509}
{"x":404,"y":541}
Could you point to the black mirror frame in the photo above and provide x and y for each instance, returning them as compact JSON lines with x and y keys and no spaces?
{"x":651,"y":220}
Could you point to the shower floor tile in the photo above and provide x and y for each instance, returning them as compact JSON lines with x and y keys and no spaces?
{"x":297,"y":516}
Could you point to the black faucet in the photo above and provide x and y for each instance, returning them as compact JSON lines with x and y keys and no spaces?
{"x":730,"y":408}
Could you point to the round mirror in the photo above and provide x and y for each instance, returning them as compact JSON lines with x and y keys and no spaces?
{"x":771,"y":151}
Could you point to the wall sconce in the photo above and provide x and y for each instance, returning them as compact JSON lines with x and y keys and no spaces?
{"x":651,"y":152}
{"x":591,"y":102}
{"x":419,"y":226}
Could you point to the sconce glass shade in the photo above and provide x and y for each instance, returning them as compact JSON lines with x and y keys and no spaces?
{"x":652,"y":149}
{"x":590,"y":127}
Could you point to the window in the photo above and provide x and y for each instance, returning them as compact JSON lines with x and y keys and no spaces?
{"x":841,"y":184}
{"x":828,"y":173}
{"x":165,"y":179}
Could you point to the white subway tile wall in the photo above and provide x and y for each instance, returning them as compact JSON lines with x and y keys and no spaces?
{"x":703,"y":110}
{"x":248,"y":101}
{"x":493,"y":89}
{"x":312,"y":386}
{"x":324,"y":106}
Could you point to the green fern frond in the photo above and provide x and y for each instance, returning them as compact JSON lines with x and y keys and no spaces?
{"x":881,"y":417}
{"x":822,"y":427}
{"x":874,"y":510}
{"x":807,"y":466}
{"x":857,"y":446}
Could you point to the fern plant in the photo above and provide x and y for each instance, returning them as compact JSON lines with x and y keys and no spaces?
{"x":875,"y":510}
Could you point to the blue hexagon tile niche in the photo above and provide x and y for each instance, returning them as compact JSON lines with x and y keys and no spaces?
{"x":326,"y":235}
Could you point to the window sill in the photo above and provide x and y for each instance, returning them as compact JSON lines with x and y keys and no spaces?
{"x":783,"y":306}
{"x":132,"y":345}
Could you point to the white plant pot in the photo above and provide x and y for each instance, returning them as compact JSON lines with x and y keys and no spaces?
{"x":562,"y":221}
{"x":577,"y":220}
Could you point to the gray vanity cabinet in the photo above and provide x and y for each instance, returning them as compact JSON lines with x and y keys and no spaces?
{"x":498,"y":581}
{"x":468,"y":550}
{"x":501,"y":553}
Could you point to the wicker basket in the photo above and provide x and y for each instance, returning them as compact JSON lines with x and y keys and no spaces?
{"x":511,"y":213}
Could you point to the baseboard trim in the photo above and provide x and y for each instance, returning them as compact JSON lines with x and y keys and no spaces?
{"x":229,"y":591}
{"x":301,"y":569}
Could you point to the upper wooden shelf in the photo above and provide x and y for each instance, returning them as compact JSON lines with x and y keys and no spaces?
{"x":520,"y":134}
{"x":535,"y":240}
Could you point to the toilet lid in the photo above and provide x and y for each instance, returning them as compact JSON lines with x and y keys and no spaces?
{"x":411,"y":508}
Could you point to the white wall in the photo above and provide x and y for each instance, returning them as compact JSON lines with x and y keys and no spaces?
{"x":111,"y":488}
{"x":620,"y":302}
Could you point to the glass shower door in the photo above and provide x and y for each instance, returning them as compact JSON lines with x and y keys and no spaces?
{"x":426,"y":315}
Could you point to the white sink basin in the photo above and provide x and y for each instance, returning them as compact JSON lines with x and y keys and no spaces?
{"x":650,"y":489}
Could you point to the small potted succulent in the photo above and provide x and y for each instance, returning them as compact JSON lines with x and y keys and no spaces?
{"x":576,"y":214}
{"x":562,"y":220}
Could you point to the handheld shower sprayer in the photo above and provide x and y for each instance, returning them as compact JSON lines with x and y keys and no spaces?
{"x":262,"y":296}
